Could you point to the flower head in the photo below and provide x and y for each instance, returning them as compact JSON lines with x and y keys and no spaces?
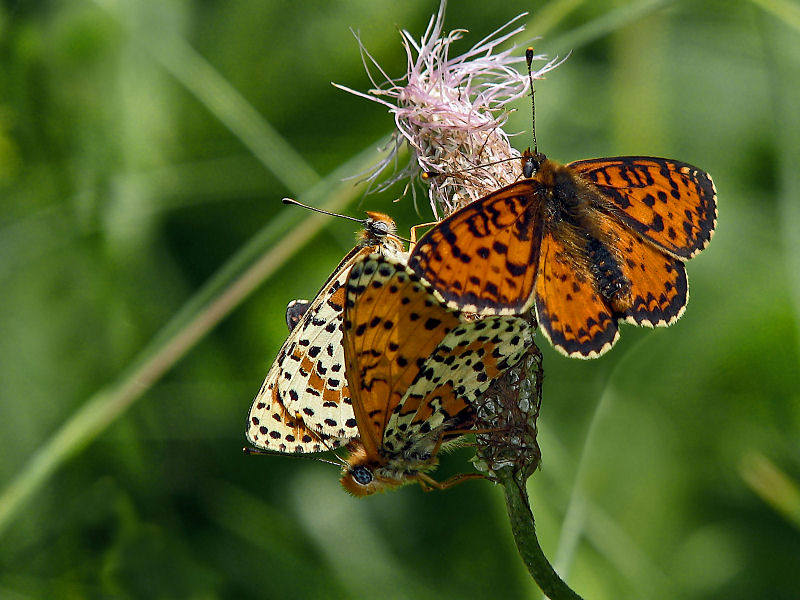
{"x":450,"y":111}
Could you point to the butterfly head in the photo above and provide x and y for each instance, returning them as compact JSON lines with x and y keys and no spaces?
{"x":361,"y":475}
{"x":379,"y":230}
{"x":360,"y":481}
{"x":532,"y":162}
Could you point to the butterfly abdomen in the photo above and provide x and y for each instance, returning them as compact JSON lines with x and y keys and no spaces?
{"x":607,"y":275}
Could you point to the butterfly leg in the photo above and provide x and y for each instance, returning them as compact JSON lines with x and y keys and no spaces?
{"x":429,"y":484}
{"x":414,"y":231}
{"x":455,"y":433}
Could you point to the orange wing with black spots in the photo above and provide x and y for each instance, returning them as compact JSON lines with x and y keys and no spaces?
{"x":606,"y":238}
{"x":390,"y":329}
{"x":483,"y":258}
{"x":414,"y":367}
{"x":573,"y":315}
{"x":655,"y":289}
{"x":671,"y":203}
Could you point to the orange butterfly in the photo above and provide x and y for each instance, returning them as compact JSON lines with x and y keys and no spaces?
{"x":304,"y":404}
{"x":413,"y":369}
{"x":589,"y":243}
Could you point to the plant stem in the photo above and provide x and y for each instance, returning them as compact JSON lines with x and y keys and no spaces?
{"x":524,"y":530}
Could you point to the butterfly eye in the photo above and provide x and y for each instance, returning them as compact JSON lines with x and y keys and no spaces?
{"x":528,"y":168}
{"x":362,"y":475}
{"x":531,"y":162}
{"x":379,"y":227}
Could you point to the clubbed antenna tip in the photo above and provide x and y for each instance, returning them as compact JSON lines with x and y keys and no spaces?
{"x":529,"y":59}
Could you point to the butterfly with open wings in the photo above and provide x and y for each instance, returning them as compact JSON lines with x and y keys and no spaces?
{"x":588,"y":244}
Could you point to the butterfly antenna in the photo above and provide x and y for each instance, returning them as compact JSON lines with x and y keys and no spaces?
{"x":529,"y":60}
{"x":342,"y":462}
{"x":531,"y":161}
{"x":320,"y":210}
{"x":429,"y":174}
{"x":259,"y":452}
{"x":330,"y":462}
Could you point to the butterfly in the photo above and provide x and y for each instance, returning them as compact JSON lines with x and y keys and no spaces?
{"x":589,"y":243}
{"x":414,"y":369}
{"x":304,"y":404}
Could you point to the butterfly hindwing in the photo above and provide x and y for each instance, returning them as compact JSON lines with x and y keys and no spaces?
{"x":461,"y":368}
{"x":671,"y":203}
{"x":657,"y":289}
{"x":483,"y":257}
{"x":306,"y":383}
{"x":573,"y":315}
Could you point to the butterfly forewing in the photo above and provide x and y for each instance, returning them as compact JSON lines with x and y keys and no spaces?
{"x":389,"y":330}
{"x":671,"y":203}
{"x":483,"y":258}
{"x":304,"y":403}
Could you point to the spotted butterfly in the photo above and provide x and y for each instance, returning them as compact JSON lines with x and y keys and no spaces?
{"x":414,"y":369}
{"x":304,"y":403}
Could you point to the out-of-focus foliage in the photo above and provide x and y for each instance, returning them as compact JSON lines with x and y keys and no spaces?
{"x":122,"y":192}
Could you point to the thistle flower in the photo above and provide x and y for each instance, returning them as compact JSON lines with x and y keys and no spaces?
{"x":450,"y":111}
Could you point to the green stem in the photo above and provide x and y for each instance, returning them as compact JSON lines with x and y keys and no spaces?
{"x":524,"y":530}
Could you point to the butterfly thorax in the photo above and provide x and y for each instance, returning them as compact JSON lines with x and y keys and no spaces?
{"x":574,"y":214}
{"x":566,"y":198}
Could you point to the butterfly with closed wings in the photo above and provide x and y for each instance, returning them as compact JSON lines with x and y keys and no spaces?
{"x":304,"y":404}
{"x":414,"y":369}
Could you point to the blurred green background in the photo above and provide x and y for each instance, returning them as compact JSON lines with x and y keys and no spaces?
{"x":144,"y":146}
